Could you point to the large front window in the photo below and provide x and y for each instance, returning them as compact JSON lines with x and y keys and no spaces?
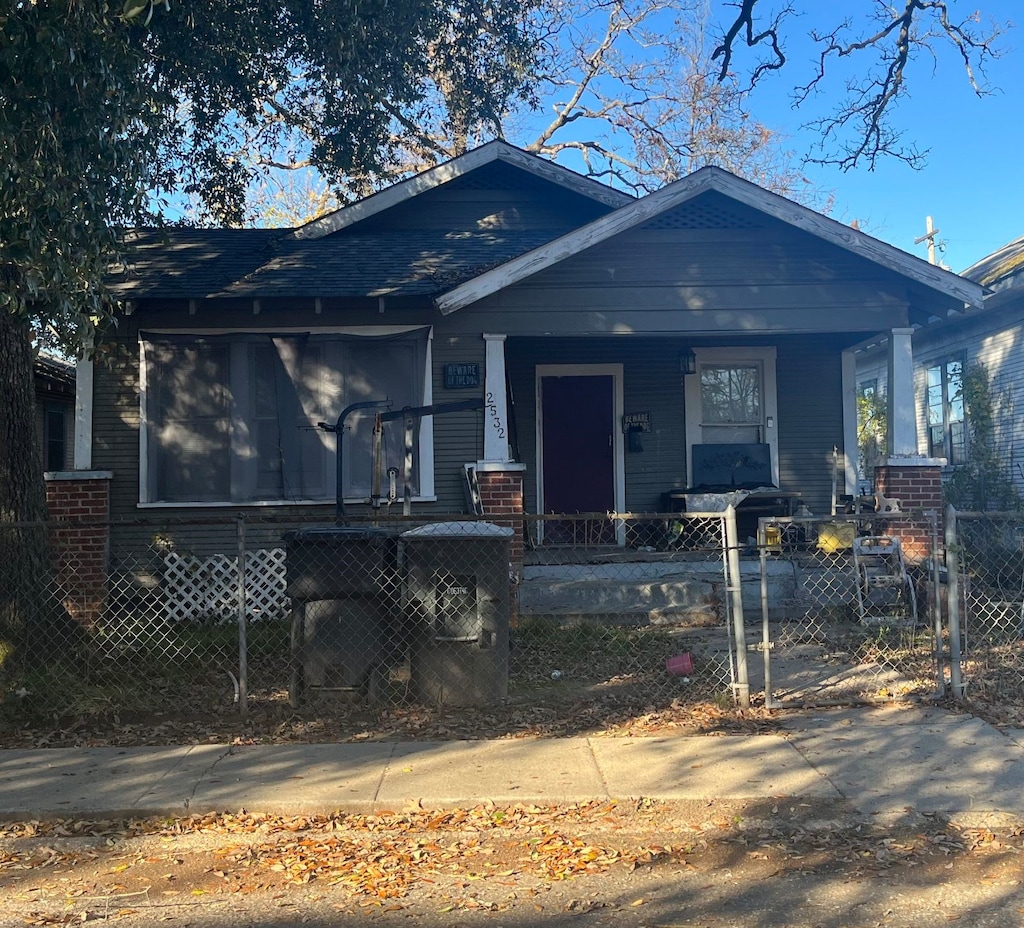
{"x":947,"y":425}
{"x":233,"y":418}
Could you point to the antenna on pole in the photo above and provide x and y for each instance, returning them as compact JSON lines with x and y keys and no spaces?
{"x":930,"y":237}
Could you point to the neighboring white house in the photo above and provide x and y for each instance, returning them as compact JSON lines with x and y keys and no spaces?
{"x":944,"y":349}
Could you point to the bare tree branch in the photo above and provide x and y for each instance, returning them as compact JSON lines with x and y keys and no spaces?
{"x":744,"y":21}
{"x":863,"y":127}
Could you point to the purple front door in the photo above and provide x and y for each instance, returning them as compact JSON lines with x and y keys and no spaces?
{"x":578,"y":448}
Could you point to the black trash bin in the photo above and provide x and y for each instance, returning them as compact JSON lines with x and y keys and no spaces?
{"x":457,"y":593}
{"x":344,"y":589}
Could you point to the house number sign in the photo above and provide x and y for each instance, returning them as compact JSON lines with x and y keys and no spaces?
{"x":458,"y":376}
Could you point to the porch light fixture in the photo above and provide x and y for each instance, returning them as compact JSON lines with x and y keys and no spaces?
{"x":687,"y":362}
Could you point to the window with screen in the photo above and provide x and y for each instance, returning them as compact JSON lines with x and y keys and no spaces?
{"x":233,"y":418}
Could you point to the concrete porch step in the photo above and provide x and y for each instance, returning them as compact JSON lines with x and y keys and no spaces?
{"x":669,"y":592}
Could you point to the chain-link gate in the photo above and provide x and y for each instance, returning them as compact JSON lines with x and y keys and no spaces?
{"x":657,"y":610}
{"x":987,"y":608}
{"x":846,"y":616}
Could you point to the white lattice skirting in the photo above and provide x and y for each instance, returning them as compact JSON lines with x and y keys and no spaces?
{"x":206,"y":588}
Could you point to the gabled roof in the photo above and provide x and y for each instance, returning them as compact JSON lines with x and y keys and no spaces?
{"x":1002,"y":269}
{"x":458,"y":167}
{"x":702,"y":181}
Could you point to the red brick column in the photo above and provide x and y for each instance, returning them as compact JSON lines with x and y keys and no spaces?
{"x":501,"y":494}
{"x":79,"y":507}
{"x":917,"y":484}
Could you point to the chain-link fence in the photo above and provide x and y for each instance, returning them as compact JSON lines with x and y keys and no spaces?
{"x":847,"y":616}
{"x":987,"y":610}
{"x":633,"y":611}
{"x":140,"y":617}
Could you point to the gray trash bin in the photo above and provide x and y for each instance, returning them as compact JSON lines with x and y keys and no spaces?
{"x":345,"y":596}
{"x":457,"y":593}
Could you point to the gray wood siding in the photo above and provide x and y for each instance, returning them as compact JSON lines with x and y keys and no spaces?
{"x":700,"y":281}
{"x":994,"y":340}
{"x":809,"y":381}
{"x":115,"y":422}
{"x":458,"y":437}
{"x":495,"y":197}
{"x":810,"y":410}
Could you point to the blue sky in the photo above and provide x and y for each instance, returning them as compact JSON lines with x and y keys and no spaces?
{"x":969,"y":185}
{"x":972,"y":184}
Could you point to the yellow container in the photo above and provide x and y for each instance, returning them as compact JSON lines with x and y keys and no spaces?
{"x":773,"y":537}
{"x":835,"y":536}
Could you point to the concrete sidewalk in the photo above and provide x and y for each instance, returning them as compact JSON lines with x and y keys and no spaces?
{"x":868,"y":761}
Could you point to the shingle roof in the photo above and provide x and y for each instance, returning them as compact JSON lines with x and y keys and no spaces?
{"x":1000,"y":269}
{"x":252,"y":263}
{"x":190,"y":263}
{"x":382,"y":263}
{"x":56,"y":370}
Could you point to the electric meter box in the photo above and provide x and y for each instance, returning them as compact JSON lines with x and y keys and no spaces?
{"x":457,"y":587}
{"x":344,"y":587}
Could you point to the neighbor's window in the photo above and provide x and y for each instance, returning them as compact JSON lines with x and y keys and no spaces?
{"x":233,"y":418}
{"x":55,"y":437}
{"x":944,"y":399}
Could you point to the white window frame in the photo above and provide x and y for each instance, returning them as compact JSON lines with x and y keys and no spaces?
{"x":942,"y":363}
{"x":426,"y":493}
{"x":712,"y":357}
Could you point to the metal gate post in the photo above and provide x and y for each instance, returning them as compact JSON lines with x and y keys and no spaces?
{"x":940,"y":676}
{"x":953,"y":595}
{"x":243,"y":651}
{"x":766,"y":643}
{"x":735,"y":591}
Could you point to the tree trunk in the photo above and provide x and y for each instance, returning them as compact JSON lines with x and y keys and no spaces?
{"x":25,"y":566}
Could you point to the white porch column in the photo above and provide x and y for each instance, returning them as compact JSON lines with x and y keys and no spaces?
{"x":495,"y":400}
{"x":83,"y":409}
{"x":900,"y":402}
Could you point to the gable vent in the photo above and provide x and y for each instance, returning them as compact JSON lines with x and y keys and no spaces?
{"x":492,"y":181}
{"x":704,"y":216}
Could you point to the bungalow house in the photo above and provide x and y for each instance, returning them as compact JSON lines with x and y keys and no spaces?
{"x":610,"y":339}
{"x":946,"y":348}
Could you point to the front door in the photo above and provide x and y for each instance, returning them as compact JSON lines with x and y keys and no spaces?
{"x":578,"y":453}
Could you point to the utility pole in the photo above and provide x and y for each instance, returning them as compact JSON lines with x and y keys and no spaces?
{"x":930,"y":236}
